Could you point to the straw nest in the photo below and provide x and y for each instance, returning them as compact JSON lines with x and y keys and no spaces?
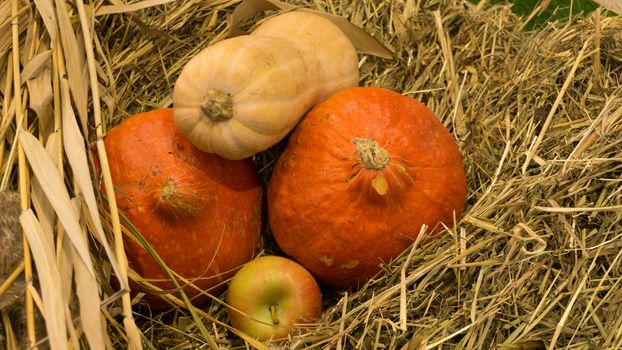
{"x":534,"y":263}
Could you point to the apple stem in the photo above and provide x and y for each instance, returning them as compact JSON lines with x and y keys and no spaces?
{"x":273,"y":312}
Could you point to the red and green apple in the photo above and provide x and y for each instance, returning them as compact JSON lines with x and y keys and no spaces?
{"x":270,"y":296}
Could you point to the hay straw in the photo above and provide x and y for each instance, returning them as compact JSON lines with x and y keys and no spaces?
{"x":535,"y":262}
{"x":23,"y":185}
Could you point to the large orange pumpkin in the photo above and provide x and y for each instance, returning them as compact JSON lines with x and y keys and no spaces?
{"x":201,"y":213}
{"x":359,"y":177}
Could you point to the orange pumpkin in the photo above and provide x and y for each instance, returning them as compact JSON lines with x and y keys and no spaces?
{"x":201,"y":213}
{"x":359,"y":177}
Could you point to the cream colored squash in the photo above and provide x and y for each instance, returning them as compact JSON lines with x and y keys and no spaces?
{"x":242,"y":95}
{"x":317,"y":36}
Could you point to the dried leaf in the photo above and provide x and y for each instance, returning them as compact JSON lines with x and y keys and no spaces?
{"x":88,"y":296}
{"x":38,"y":76}
{"x":75,"y":149}
{"x":87,"y":290}
{"x":611,"y":5}
{"x":65,"y":268}
{"x":249,"y":8}
{"x":53,"y":303}
{"x":54,"y":188}
{"x":46,"y":11}
{"x":74,"y":57}
{"x":124,"y":8}
{"x":43,"y":208}
{"x":36,"y":64}
{"x":362,"y":41}
{"x":5,"y":16}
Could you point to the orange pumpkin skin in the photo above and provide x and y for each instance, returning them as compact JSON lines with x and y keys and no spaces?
{"x":359,"y":177}
{"x":201,"y":213}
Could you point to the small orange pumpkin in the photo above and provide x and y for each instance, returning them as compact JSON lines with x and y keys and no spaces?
{"x":361,"y":174}
{"x":200,"y":212}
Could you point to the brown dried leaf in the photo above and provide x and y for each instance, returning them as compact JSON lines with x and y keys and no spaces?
{"x":125,"y":8}
{"x":362,"y":41}
{"x":249,"y":8}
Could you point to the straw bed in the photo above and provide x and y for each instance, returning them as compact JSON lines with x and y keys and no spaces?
{"x":535,"y":262}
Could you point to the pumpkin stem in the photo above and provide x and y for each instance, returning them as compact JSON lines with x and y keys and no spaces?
{"x":217,"y":105}
{"x":174,"y":200}
{"x":372,"y":155}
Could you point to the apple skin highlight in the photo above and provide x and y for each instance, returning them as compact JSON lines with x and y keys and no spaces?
{"x":272,"y":295}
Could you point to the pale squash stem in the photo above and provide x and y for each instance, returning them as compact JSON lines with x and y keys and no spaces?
{"x":24,"y":183}
{"x":133,"y":334}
